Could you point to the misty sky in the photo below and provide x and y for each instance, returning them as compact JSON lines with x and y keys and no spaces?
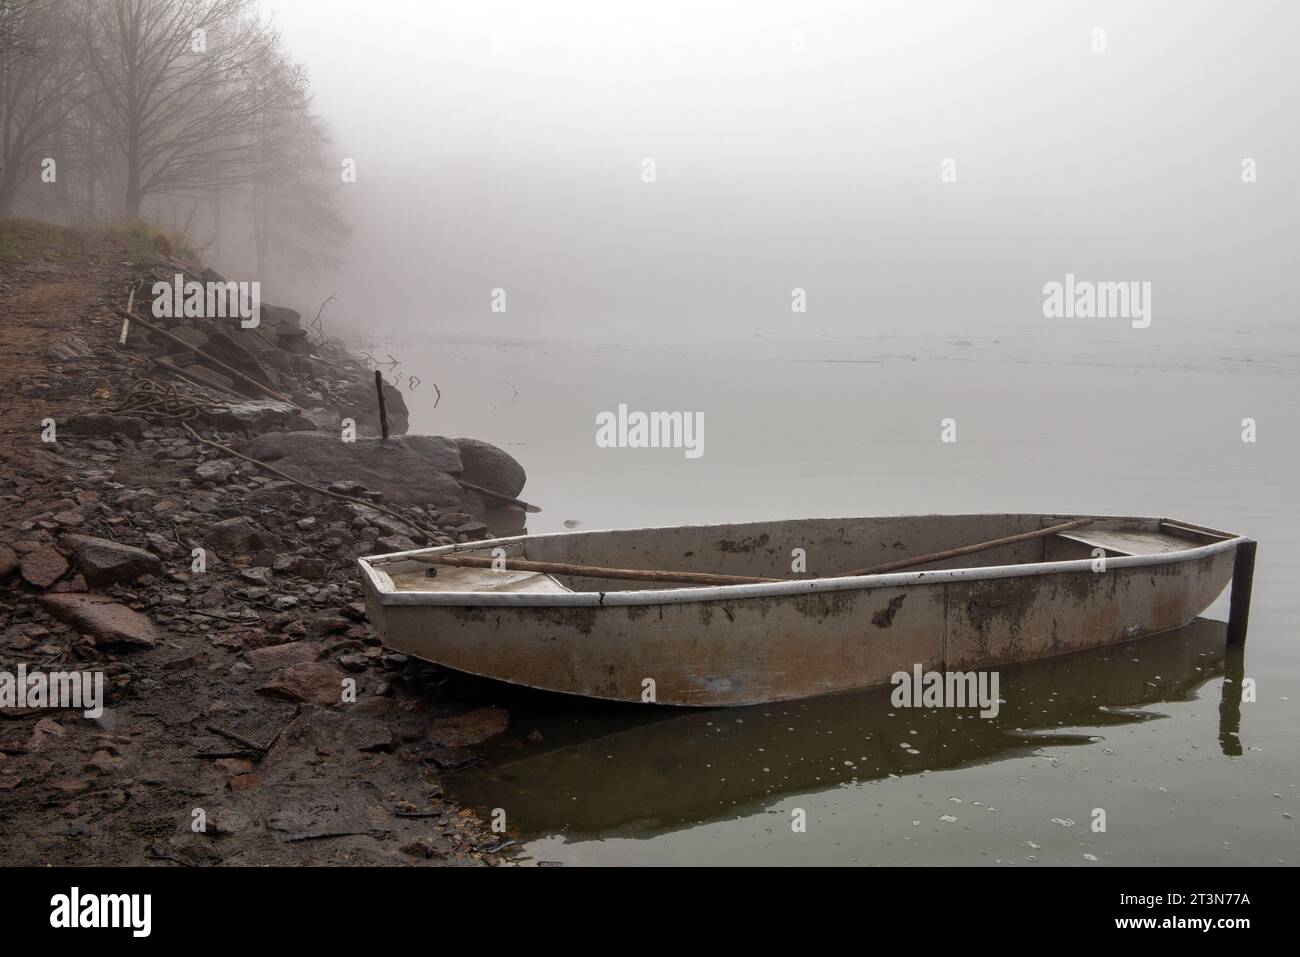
{"x":500,"y":144}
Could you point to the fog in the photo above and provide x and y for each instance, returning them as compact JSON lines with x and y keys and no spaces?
{"x":502,"y":145}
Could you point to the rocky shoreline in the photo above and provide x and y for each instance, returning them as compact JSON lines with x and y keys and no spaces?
{"x":245,"y":691}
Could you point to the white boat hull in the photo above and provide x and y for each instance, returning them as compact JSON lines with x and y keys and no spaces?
{"x":749,"y":644}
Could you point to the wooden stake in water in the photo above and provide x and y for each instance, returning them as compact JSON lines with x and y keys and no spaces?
{"x":1243,"y":577}
{"x":383,"y":410}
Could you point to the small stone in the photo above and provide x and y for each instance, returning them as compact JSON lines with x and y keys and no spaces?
{"x":160,"y":545}
{"x":310,"y":681}
{"x":282,"y":656}
{"x":99,"y":615}
{"x":215,"y":471}
{"x":103,"y":761}
{"x":311,"y":568}
{"x":346,"y":488}
{"x":234,"y":535}
{"x":352,"y":662}
{"x":8,"y":562}
{"x":328,"y":625}
{"x":105,"y":562}
{"x":46,"y":731}
{"x":421,"y":847}
{"x":257,"y":576}
{"x":234,"y":766}
{"x":43,"y":566}
{"x":392,"y":543}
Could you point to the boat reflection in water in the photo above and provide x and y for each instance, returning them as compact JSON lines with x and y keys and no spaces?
{"x":613,"y":770}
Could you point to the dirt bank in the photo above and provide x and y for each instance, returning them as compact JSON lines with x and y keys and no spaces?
{"x":252,"y":717}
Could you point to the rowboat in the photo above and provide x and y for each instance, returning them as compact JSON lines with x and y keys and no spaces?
{"x":742,"y":614}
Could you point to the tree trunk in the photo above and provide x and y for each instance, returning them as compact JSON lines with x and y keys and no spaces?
{"x":133,"y":196}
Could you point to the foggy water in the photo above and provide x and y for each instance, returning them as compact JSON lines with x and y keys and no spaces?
{"x":1131,"y":424}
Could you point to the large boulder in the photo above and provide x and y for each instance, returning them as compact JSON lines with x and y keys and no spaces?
{"x":407,"y":469}
{"x":488,"y":467}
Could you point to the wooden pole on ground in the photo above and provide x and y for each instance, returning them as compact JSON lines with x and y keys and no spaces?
{"x":164,"y":363}
{"x":383,"y":409}
{"x":1243,"y":578}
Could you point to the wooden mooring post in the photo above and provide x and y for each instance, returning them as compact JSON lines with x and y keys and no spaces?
{"x":1243,"y":576}
{"x":383,"y":410}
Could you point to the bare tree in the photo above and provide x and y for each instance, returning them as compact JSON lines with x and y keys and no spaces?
{"x":14,"y":38}
{"x":188,"y":85}
{"x":41,"y":84}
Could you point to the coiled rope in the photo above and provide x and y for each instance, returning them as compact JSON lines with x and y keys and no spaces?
{"x":150,"y":398}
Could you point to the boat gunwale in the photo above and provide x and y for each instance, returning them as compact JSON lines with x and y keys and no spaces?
{"x":389,"y":596}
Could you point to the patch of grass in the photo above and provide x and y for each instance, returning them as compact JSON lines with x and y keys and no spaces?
{"x":134,"y":239}
{"x":30,"y":239}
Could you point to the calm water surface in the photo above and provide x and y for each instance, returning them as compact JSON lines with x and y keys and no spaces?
{"x":1153,"y":732}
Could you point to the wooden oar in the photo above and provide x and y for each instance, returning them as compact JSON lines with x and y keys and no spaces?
{"x":708,"y":578}
{"x":967,"y":549}
{"x":589,"y":571}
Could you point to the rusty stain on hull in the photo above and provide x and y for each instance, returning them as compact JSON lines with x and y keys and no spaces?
{"x":885,"y":617}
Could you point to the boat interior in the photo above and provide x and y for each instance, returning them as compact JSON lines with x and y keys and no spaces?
{"x":830,"y":547}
